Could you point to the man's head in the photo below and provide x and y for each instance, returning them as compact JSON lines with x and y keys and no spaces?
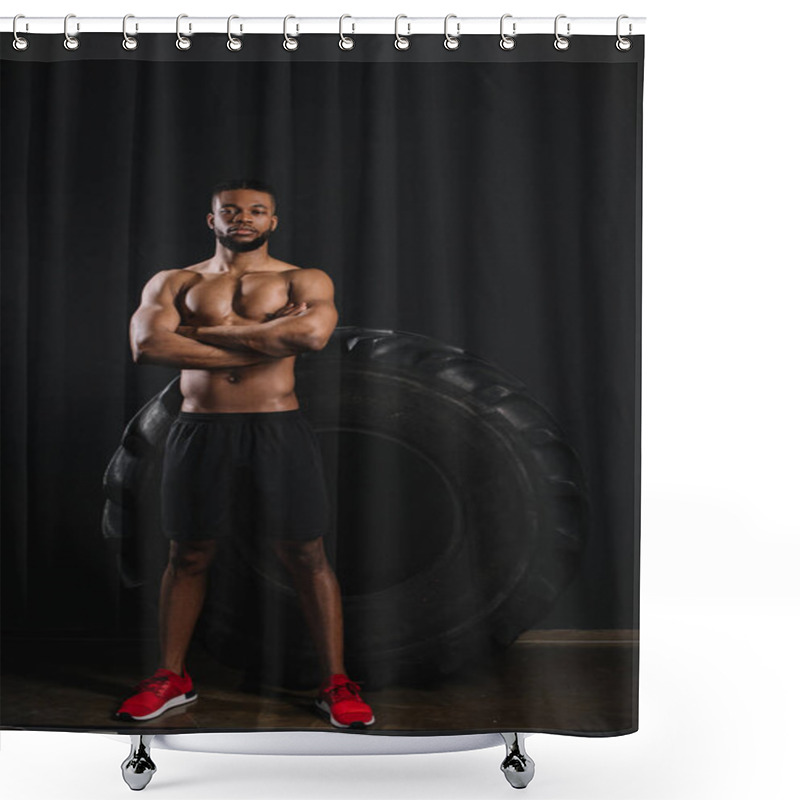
{"x":243,"y":214}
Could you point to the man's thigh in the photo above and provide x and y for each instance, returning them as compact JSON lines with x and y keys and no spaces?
{"x":192,"y":556}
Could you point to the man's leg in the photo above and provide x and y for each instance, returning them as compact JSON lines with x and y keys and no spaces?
{"x":183,"y":591}
{"x":320,"y":598}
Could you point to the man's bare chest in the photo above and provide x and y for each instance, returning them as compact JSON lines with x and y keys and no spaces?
{"x":223,"y":299}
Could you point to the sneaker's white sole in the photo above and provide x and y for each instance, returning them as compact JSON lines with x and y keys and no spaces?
{"x":326,"y":711}
{"x":180,"y":700}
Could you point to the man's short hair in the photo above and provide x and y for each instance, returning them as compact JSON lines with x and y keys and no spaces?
{"x":245,"y":183}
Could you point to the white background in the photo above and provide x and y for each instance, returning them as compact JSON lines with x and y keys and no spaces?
{"x":720,"y":535}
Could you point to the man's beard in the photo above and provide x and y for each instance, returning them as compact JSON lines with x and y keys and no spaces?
{"x":238,"y":246}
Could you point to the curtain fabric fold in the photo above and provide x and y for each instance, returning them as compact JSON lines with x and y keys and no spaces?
{"x":474,"y":415}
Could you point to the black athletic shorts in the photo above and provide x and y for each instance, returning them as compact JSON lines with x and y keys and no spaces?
{"x":244,"y":474}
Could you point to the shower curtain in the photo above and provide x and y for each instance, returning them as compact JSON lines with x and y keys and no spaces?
{"x":470,"y":410}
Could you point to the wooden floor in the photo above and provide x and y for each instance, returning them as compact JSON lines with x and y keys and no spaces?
{"x":583,"y":682}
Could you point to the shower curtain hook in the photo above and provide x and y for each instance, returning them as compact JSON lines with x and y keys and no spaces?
{"x":129,"y":42}
{"x":622,"y":43}
{"x":561,"y":42}
{"x":507,"y":42}
{"x":451,"y":42}
{"x":20,"y":42}
{"x":401,"y":42}
{"x":182,"y":42}
{"x":71,"y":42}
{"x":346,"y":42}
{"x":233,"y":42}
{"x":290,"y":43}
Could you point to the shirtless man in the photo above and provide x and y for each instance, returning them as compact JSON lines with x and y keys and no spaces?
{"x":234,"y":325}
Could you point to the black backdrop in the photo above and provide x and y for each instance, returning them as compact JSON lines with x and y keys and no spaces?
{"x":492,"y":207}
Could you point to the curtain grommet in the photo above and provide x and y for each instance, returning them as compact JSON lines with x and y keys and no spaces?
{"x":20,"y":42}
{"x":71,"y":42}
{"x":290,"y":43}
{"x":182,"y":42}
{"x":507,"y":42}
{"x":346,"y":42}
{"x":233,"y":44}
{"x":451,"y":42}
{"x":623,"y":44}
{"x":561,"y":43}
{"x":401,"y":42}
{"x":129,"y":42}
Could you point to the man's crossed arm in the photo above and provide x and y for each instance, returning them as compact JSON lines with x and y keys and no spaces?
{"x":304,"y":324}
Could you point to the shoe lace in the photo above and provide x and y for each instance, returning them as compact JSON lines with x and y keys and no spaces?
{"x":345,"y":691}
{"x":156,"y":684}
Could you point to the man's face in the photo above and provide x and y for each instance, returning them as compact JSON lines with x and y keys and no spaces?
{"x":243,"y":219}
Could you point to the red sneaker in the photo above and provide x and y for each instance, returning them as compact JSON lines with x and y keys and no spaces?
{"x":155,"y":695}
{"x":341,"y":702}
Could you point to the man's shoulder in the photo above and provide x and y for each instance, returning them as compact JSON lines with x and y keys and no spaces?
{"x":192,"y":269}
{"x":178,"y":274}
{"x":283,"y":267}
{"x":168,"y":283}
{"x":307,"y":275}
{"x":311,"y":283}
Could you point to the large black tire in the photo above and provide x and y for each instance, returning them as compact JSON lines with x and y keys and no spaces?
{"x":460,"y":513}
{"x":132,"y":486}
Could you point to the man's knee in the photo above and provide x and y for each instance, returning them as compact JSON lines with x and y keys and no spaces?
{"x":191,"y":558}
{"x":303,"y":556}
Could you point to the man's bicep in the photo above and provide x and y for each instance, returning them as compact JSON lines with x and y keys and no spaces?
{"x":322,"y":314}
{"x":315,"y":289}
{"x":312,"y":286}
{"x":157,"y":311}
{"x":150,"y":318}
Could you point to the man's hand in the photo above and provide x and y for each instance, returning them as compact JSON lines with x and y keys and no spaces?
{"x":155,"y":337}
{"x":289,"y":310}
{"x":306,"y":323}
